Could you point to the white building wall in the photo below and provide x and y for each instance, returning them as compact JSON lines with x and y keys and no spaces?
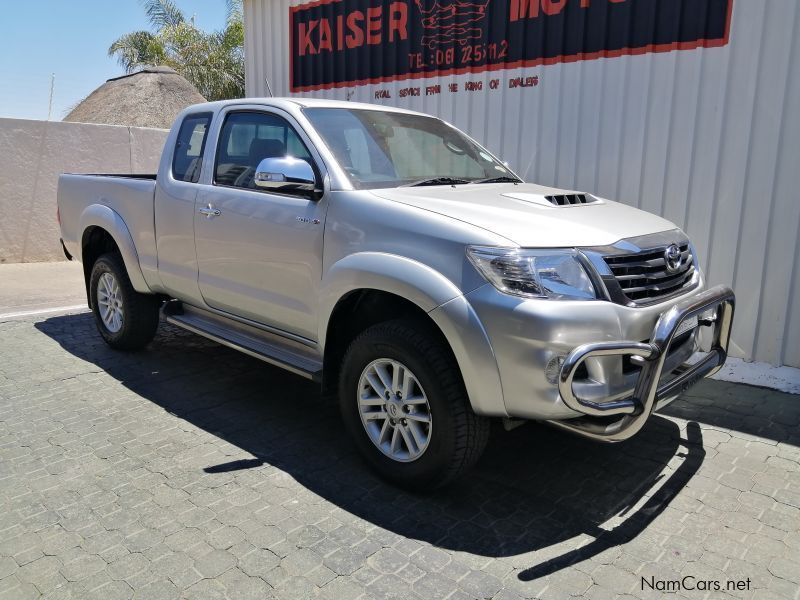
{"x":34,"y":153}
{"x":709,"y":138}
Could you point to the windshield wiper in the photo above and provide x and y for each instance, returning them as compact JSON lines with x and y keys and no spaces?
{"x":438,"y":181}
{"x":500,"y":179}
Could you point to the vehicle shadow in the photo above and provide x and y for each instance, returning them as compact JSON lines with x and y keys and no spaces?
{"x":534,"y":487}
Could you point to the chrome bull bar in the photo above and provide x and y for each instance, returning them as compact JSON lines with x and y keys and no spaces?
{"x":647,"y":393}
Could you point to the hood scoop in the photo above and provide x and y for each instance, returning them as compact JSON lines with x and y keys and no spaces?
{"x":570,"y":199}
{"x":555,"y":200}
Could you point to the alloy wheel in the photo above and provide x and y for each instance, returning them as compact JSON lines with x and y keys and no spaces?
{"x":394,"y":410}
{"x":109,"y":302}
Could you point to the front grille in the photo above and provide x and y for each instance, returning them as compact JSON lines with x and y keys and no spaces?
{"x":643,"y":277}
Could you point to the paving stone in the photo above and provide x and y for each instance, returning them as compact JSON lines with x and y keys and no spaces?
{"x":128,"y":566}
{"x":785,"y":568}
{"x":7,"y":566}
{"x":307,"y":536}
{"x":238,"y":584}
{"x":58,"y":541}
{"x":320,"y":576}
{"x":113,"y":590}
{"x":430,"y":558}
{"x":93,"y":582}
{"x":266,"y":537}
{"x":410,"y":573}
{"x":83,"y":567}
{"x":143,"y":540}
{"x":341,"y":588}
{"x":161,"y":589}
{"x":390,"y":587}
{"x":387,"y":560}
{"x":184,"y":539}
{"x":434,"y":586}
{"x":214,"y":564}
{"x":296,"y":588}
{"x":506,"y":595}
{"x":275,"y":577}
{"x":206,"y":589}
{"x":344,"y":561}
{"x":226,"y":537}
{"x":44,"y":573}
{"x":614,"y":578}
{"x":480,"y":584}
{"x":301,"y":561}
{"x":21,"y":591}
{"x":366,"y":575}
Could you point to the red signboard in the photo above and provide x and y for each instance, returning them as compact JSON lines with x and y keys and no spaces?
{"x":338,"y":43}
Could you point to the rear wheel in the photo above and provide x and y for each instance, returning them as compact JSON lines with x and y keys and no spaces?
{"x":404,"y":402}
{"x":126,"y":319}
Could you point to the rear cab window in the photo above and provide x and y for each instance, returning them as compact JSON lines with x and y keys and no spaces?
{"x":190,"y":146}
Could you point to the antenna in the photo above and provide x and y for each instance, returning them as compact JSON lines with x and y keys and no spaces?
{"x":269,"y":87}
{"x":52,"y":86}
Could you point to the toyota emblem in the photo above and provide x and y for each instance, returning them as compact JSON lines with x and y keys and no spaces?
{"x":673,"y":258}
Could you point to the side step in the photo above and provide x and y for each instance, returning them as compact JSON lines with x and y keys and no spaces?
{"x":264,"y":345}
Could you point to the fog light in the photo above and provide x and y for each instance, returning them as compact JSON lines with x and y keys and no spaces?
{"x":553,"y":369}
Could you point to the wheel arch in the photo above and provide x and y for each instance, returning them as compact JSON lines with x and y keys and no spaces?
{"x":367,"y":288}
{"x":356,"y":311}
{"x":103,"y":230}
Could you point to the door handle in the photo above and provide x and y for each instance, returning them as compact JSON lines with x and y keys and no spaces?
{"x":209,"y":211}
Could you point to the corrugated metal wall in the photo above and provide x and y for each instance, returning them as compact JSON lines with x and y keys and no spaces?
{"x":709,"y":138}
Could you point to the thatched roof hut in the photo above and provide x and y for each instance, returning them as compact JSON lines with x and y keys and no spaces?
{"x":151,"y":97}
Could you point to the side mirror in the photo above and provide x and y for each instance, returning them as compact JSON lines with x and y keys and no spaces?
{"x":285,"y":174}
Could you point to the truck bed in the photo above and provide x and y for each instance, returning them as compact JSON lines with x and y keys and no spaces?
{"x":82,"y":197}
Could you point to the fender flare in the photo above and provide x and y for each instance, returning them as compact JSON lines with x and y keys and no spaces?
{"x":99,"y":215}
{"x":435,"y":294}
{"x":475,"y":355}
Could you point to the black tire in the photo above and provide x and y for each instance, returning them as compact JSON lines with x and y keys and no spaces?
{"x":458,"y":436}
{"x":140,"y":311}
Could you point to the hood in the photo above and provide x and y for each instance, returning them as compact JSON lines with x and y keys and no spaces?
{"x":522,"y":214}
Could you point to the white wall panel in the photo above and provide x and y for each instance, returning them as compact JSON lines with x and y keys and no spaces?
{"x":709,"y":138}
{"x":32,"y":156}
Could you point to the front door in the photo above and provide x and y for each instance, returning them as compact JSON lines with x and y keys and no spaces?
{"x":176,"y":193}
{"x":259,"y":253}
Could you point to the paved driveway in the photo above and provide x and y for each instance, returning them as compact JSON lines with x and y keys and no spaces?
{"x":27,"y":288}
{"x":193,"y":470}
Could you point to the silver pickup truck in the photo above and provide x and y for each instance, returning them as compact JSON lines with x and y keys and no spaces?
{"x":391,"y":258}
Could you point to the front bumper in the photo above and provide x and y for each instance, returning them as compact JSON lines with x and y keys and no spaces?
{"x":617,"y":419}
{"x":511,"y":351}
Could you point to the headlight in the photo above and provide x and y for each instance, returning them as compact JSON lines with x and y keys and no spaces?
{"x":557,"y":274}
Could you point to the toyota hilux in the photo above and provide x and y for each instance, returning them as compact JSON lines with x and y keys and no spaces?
{"x":390,"y":257}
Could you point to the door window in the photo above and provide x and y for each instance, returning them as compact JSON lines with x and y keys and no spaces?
{"x":189,"y":148}
{"x":246,"y":139}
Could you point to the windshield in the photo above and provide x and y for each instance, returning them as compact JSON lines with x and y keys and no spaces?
{"x":389,"y":149}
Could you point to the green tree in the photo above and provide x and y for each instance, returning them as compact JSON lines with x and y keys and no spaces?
{"x":212,"y":61}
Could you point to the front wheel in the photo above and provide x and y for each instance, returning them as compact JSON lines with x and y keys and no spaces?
{"x":126,"y":319}
{"x":404,"y":402}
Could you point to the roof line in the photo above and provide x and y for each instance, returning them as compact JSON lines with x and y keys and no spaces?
{"x":160,"y":70}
